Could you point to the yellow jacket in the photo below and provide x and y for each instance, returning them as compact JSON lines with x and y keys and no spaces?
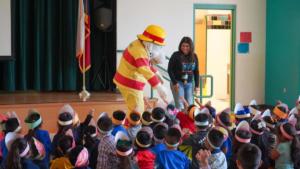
{"x":134,"y":68}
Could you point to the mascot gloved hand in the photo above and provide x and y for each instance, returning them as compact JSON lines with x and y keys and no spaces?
{"x":135,"y":68}
{"x":162,"y":93}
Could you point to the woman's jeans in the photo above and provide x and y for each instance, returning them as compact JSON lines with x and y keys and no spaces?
{"x":186,"y":91}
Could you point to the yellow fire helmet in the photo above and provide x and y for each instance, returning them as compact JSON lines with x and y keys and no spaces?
{"x":153,"y":33}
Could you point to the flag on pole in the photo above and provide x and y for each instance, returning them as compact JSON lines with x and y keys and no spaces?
{"x":83,"y":46}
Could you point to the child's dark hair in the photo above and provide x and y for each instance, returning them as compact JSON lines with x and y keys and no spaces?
{"x":143,"y":138}
{"x":158,"y":113}
{"x":88,"y":132}
{"x":269,"y":120}
{"x":64,"y":145}
{"x":249,"y":156}
{"x":295,"y":147}
{"x":173,"y":136}
{"x":31,"y":118}
{"x":255,"y":125}
{"x":105,"y":123}
{"x":237,"y":144}
{"x":215,"y":137}
{"x":119,"y":115}
{"x":202,"y":117}
{"x":64,"y":117}
{"x":243,"y":134}
{"x":13,"y":160}
{"x":135,"y":116}
{"x":146,"y":116}
{"x":160,"y":131}
{"x":283,"y":109}
{"x":225,"y":118}
{"x":11,"y":124}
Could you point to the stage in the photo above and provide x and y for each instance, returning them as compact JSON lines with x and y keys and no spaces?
{"x":49,"y":103}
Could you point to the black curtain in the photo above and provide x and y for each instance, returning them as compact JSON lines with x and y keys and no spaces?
{"x":44,"y":47}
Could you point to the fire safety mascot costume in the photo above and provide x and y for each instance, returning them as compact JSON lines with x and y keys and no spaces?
{"x":136,"y":67}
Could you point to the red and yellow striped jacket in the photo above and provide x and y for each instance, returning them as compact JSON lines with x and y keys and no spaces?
{"x":134,"y":68}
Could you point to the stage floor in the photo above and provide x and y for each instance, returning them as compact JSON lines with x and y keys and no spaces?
{"x":49,"y":104}
{"x":55,"y":97}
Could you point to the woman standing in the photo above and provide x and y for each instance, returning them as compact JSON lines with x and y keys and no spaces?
{"x":182,"y":68}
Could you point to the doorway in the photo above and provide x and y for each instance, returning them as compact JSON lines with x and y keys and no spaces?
{"x":214,"y":36}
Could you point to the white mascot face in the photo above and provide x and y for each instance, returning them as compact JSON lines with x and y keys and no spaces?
{"x":155,"y":52}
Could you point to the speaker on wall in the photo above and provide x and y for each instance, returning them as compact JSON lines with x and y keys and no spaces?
{"x":103,"y":18}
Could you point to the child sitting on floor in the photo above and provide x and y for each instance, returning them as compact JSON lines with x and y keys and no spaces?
{"x":91,"y":142}
{"x":249,"y":156}
{"x":172,"y":158}
{"x":242,"y":136}
{"x":18,"y":156}
{"x":213,"y":143}
{"x":65,"y":127}
{"x":287,"y":152}
{"x":159,"y":132}
{"x":133,"y":124}
{"x":223,"y":119}
{"x":34,"y":123}
{"x":11,"y":125}
{"x":195,"y":142}
{"x":65,"y":144}
{"x":260,"y":138}
{"x":118,"y":119}
{"x":107,"y":157}
{"x":124,"y":151}
{"x":144,"y":156}
{"x":146,"y":118}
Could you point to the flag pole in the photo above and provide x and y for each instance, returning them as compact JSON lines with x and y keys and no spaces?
{"x":84,"y":94}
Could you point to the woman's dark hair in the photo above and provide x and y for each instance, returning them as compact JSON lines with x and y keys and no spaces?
{"x":249,"y":156}
{"x":295,"y":147}
{"x":188,"y":40}
{"x":13,"y":160}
